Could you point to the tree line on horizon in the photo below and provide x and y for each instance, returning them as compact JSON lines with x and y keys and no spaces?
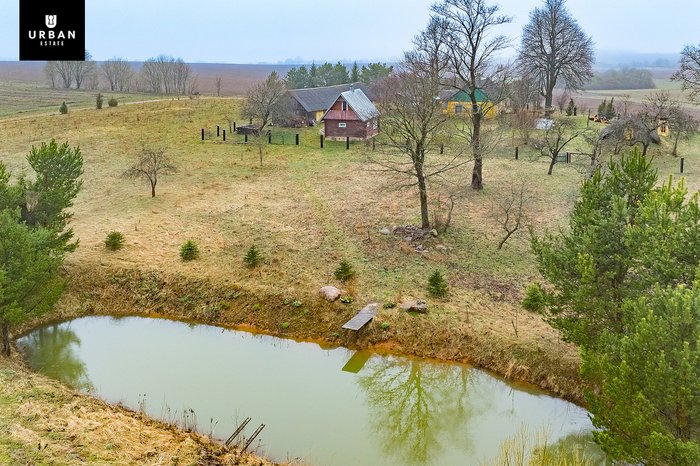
{"x":331,"y":75}
{"x":158,"y":75}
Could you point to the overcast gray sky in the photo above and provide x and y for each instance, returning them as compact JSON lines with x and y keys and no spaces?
{"x":252,"y":31}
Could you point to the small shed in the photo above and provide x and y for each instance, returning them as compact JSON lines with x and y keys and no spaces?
{"x":353,"y":116}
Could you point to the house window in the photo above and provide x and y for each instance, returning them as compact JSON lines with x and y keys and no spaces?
{"x":459,"y":109}
{"x":342,"y":125}
{"x":444,"y":104}
{"x":345,"y":106}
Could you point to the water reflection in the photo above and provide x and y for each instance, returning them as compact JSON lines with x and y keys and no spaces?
{"x":51,"y":350}
{"x":416,"y":413}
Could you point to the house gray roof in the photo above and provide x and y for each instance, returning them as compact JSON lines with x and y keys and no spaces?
{"x":318,"y":99}
{"x":363,"y":107}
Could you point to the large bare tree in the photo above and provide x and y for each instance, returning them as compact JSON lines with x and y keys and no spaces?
{"x":264,"y":99}
{"x":84,"y":71}
{"x":471,"y":50}
{"x":118,"y":74}
{"x":689,"y":72}
{"x":64,"y":70}
{"x":553,"y":47}
{"x":412,"y":122}
{"x":167,"y":75}
{"x":51,"y":73}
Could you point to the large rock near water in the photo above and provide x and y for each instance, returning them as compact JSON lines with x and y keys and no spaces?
{"x":415,"y":305}
{"x":329,"y":293}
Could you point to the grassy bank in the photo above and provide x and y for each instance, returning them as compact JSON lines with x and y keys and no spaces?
{"x":42,"y":422}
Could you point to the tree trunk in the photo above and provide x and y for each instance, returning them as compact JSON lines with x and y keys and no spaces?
{"x":675,"y":144}
{"x":153,"y":189}
{"x":644,"y":149}
{"x":551,"y":165}
{"x":423,"y":192}
{"x":5,"y":330}
{"x":477,"y":179}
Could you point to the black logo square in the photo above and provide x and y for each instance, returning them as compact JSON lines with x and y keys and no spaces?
{"x":52,"y":30}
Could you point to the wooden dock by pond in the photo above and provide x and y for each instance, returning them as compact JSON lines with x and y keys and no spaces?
{"x":362,"y":318}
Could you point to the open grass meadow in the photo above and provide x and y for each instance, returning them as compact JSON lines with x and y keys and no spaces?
{"x":306,"y":209}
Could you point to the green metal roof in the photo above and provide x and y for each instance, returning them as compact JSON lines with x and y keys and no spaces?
{"x":462,"y":96}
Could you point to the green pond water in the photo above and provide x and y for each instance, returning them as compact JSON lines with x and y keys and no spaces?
{"x":323,"y":406}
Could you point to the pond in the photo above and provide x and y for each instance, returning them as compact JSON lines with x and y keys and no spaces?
{"x":323,"y":406}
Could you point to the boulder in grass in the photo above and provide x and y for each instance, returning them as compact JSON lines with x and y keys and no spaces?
{"x":329,"y":293}
{"x":415,"y":305}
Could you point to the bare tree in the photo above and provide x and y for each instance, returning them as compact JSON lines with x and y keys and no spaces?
{"x":689,"y":72}
{"x":471,"y":49}
{"x":150,"y":164}
{"x":412,"y":121}
{"x":523,"y":94}
{"x":554,"y":46}
{"x":51,"y":73}
{"x":682,"y":125}
{"x":263,"y":99}
{"x":263,"y":102}
{"x":510,"y":210}
{"x":83,"y":70}
{"x":118,"y":74}
{"x":167,"y":75}
{"x":64,"y":69}
{"x":523,"y":122}
{"x":562,"y":101}
{"x":217,"y":85}
{"x":557,"y":136}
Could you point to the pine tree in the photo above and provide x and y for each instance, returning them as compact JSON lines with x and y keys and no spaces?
{"x":570,"y":108}
{"x":603,"y":108}
{"x":626,"y":235}
{"x":253,"y":257}
{"x":646,"y":409}
{"x":437,"y":285}
{"x":344,"y":272}
{"x":63,"y":108}
{"x":610,"y":110}
{"x":189,"y":251}
{"x":355,"y":74}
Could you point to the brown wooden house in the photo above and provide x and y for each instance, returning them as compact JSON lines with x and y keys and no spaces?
{"x":311,"y":104}
{"x":353,"y":116}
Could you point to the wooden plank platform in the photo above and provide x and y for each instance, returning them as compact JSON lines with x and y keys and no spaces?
{"x":362,"y":318}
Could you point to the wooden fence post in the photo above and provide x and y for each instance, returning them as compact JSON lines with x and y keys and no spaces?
{"x":202,"y":134}
{"x":347,"y":143}
{"x":516,"y":152}
{"x":321,"y":136}
{"x":297,"y":139}
{"x":682,"y":164}
{"x":224,"y":135}
{"x":442,"y":149}
{"x":218,"y":131}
